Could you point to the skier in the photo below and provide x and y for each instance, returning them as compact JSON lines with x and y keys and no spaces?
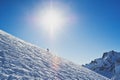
{"x":47,"y":50}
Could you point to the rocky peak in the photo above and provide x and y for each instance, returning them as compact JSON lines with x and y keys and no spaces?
{"x":108,"y":65}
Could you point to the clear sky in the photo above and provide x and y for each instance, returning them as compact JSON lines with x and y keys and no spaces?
{"x":96,"y":28}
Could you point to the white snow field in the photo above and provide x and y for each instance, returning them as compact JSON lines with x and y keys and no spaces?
{"x":20,"y":60}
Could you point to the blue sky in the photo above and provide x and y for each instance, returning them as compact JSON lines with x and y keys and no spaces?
{"x":96,"y":30}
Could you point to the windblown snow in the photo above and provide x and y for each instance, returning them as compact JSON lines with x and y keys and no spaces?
{"x":20,"y":60}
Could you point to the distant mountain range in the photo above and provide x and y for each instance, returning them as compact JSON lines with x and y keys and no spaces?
{"x":108,"y":65}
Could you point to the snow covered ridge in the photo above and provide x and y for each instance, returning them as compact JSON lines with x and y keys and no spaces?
{"x":108,"y":65}
{"x":20,"y":60}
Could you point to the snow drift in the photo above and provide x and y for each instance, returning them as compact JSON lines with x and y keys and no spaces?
{"x":20,"y":60}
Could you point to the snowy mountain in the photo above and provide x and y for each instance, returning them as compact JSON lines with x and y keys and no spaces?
{"x":20,"y":60}
{"x":108,"y":65}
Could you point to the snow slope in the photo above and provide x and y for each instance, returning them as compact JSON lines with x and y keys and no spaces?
{"x":20,"y":60}
{"x":108,"y":65}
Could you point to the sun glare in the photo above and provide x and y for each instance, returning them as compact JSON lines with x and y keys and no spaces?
{"x":52,"y":20}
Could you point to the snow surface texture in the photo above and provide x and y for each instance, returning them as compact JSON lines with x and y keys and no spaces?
{"x":20,"y":60}
{"x":108,"y":65}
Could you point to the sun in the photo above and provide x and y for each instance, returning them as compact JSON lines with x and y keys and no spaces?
{"x":52,"y":20}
